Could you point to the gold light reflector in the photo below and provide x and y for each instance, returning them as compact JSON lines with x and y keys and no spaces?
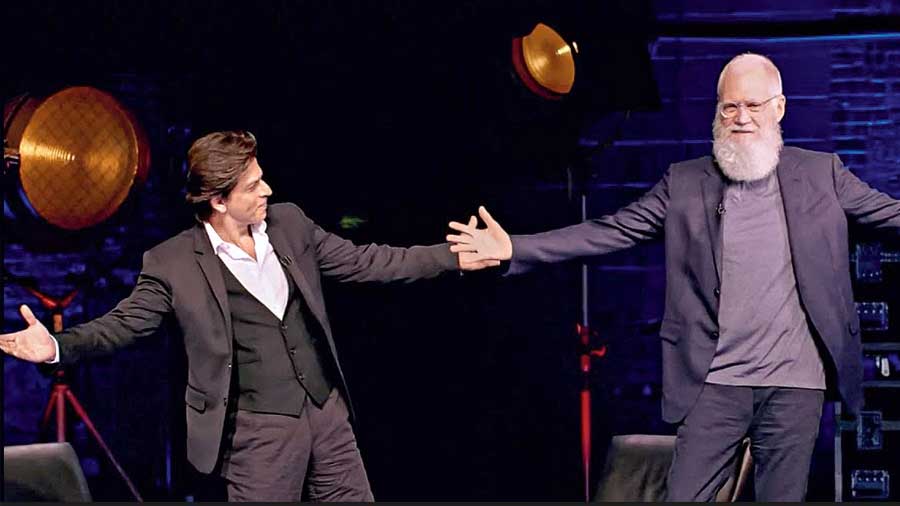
{"x":544,"y":62}
{"x":79,"y":156}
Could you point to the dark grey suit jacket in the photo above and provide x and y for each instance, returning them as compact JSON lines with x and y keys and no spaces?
{"x":182,"y":278}
{"x":819,"y":195}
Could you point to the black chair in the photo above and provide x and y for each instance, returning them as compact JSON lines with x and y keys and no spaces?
{"x":637,"y":466}
{"x":43,"y":472}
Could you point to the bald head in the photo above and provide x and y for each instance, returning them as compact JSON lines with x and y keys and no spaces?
{"x":751,"y":66}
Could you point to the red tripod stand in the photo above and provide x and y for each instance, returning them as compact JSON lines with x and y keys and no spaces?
{"x":61,"y":393}
{"x":586,"y":352}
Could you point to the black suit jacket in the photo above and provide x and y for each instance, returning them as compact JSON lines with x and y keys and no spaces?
{"x":819,"y":195}
{"x":181,"y":278}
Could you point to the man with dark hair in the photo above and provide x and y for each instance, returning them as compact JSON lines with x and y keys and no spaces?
{"x":267,"y":406}
{"x":216,"y":162}
{"x":759,"y":305}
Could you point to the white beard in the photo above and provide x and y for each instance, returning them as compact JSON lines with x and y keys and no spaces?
{"x":747,"y":162}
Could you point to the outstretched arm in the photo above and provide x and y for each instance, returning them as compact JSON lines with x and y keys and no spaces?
{"x":639,"y":221}
{"x":138,"y":315}
{"x":863,"y":203}
{"x":343,"y":260}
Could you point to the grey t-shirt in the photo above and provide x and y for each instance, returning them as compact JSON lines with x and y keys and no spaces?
{"x":764,"y":334}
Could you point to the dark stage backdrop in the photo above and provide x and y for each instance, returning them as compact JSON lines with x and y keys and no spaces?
{"x":406,"y":114}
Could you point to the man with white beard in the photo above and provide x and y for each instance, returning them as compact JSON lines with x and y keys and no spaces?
{"x":759,"y":319}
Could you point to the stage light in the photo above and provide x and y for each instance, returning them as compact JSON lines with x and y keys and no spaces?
{"x":545,"y":62}
{"x":77,"y":153}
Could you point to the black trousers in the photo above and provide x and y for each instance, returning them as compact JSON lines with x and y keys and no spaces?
{"x":782,"y":423}
{"x":282,"y":458}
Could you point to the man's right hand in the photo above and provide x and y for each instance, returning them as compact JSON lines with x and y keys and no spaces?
{"x":33,"y":344}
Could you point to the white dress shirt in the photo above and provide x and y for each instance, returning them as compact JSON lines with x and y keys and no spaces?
{"x":264,"y":277}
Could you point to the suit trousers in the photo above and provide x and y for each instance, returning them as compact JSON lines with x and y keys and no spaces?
{"x":782,"y":424}
{"x":314,"y":457}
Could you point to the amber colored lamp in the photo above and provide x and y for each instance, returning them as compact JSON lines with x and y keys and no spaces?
{"x":544,"y":62}
{"x":80,"y":153}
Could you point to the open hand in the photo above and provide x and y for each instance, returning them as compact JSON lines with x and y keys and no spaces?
{"x":480,"y":247}
{"x":33,"y":344}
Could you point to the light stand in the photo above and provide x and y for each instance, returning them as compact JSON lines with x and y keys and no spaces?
{"x":62,"y":393}
{"x":589,"y":343}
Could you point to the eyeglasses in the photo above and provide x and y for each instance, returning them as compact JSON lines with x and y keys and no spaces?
{"x":730,"y":109}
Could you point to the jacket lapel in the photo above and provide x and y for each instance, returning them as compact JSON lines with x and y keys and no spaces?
{"x":209,"y":264}
{"x":284,"y":252}
{"x":713,"y":189}
{"x":794,"y":194}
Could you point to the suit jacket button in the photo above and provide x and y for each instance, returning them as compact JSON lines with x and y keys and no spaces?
{"x":715,"y":335}
{"x":717,"y":291}
{"x":300,"y":376}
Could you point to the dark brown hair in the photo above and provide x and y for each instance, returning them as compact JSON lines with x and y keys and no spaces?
{"x":215,"y":163}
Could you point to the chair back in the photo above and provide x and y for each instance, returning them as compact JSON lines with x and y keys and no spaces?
{"x":43,"y":472}
{"x":637,"y":466}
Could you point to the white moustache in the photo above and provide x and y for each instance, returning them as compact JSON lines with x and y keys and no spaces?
{"x":747,"y":161}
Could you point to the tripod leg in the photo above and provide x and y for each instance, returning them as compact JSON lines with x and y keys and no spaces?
{"x":97,"y":437}
{"x":51,"y":403}
{"x":60,"y":418}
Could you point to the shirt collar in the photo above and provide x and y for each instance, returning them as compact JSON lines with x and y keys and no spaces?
{"x":216,"y":240}
{"x":760,"y":188}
